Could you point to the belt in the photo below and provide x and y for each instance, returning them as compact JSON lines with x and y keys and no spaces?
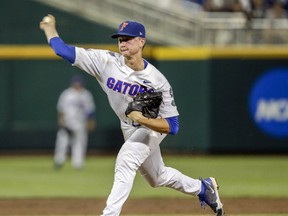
{"x":132,"y":123}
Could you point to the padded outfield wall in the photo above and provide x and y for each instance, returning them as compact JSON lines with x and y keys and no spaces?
{"x":226,"y":96}
{"x":232,"y":99}
{"x":213,"y":94}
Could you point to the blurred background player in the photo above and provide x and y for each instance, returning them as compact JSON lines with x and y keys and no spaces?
{"x":76,"y":111}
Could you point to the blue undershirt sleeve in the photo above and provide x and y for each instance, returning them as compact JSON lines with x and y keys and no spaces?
{"x":63,"y":50}
{"x":173,"y":124}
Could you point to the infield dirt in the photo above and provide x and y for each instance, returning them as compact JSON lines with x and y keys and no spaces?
{"x":151,"y":206}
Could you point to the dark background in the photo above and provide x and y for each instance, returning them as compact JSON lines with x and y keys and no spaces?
{"x":211,"y":94}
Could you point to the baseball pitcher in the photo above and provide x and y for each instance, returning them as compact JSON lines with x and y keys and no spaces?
{"x":143,"y":100}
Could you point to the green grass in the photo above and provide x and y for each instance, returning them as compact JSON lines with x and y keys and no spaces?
{"x":238,"y":176}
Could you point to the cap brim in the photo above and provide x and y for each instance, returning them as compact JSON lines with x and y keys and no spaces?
{"x":123,"y":34}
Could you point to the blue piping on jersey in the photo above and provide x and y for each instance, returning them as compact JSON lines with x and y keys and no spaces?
{"x":145,"y":63}
{"x":63,"y":50}
{"x":173,"y":125}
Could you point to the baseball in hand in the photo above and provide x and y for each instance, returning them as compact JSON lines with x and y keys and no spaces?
{"x":47,"y":19}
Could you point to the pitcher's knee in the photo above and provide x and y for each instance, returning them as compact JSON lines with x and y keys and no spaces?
{"x":156,"y":181}
{"x":154,"y":184}
{"x":126,"y":164}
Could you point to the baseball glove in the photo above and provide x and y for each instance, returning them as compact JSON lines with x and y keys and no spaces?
{"x":146,"y":102}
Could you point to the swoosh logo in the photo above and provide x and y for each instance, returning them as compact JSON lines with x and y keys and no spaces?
{"x":144,"y":81}
{"x":211,"y":189}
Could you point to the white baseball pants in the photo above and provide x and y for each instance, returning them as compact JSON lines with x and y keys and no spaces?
{"x":141,"y":151}
{"x":78,"y":144}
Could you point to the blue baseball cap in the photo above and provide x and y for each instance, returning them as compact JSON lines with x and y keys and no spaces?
{"x":131,"y":29}
{"x":77,"y":79}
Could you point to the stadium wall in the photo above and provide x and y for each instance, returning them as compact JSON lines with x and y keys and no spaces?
{"x":212,"y":87}
{"x":212,"y":94}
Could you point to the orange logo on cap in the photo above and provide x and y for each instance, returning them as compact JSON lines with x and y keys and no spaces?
{"x":123,"y":25}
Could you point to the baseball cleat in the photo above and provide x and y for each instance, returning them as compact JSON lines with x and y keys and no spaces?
{"x":209,"y":195}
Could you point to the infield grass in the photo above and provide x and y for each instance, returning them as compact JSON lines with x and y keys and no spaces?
{"x":238,"y":176}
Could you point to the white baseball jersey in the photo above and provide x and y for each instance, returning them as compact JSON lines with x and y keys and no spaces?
{"x":121,"y":83}
{"x":76,"y":106}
